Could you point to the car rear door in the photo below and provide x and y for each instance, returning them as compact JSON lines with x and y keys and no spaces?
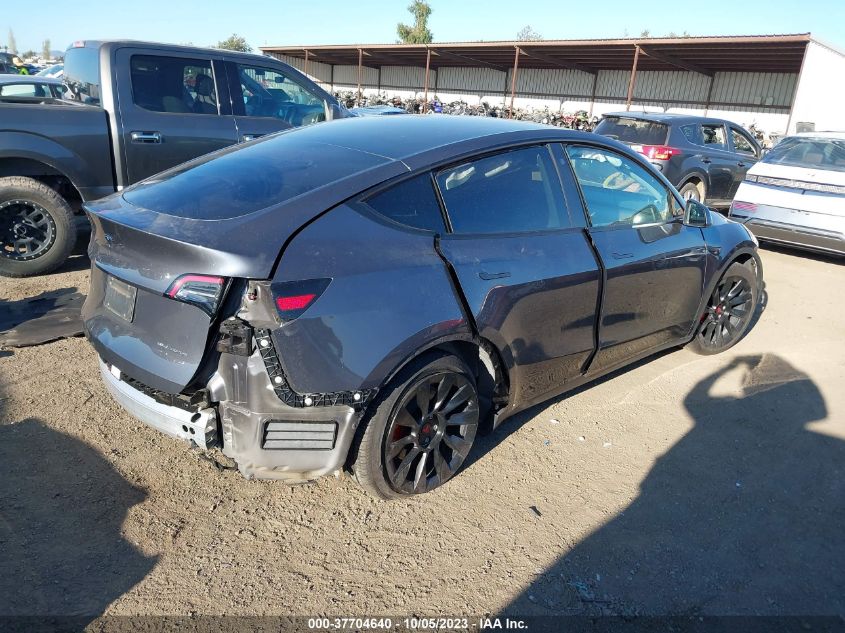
{"x":267,"y":99}
{"x":527,"y":272}
{"x":746,"y":154}
{"x":174,"y":107}
{"x":653,"y":264}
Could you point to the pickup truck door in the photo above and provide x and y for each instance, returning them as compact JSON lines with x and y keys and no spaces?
{"x":173,"y":107}
{"x":267,"y":99}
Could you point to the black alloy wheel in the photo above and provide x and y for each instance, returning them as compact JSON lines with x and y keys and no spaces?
{"x":27,"y":230}
{"x":431,"y":433}
{"x":729,"y":311}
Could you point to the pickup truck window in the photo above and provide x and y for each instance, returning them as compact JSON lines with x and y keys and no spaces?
{"x":173,"y":84}
{"x":269,"y":93}
{"x":82,"y":75}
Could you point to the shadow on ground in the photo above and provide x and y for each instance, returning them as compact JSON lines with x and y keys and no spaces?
{"x":62,"y":507}
{"x":743,"y":515}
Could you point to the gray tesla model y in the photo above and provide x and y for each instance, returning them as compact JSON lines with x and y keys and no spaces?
{"x":370,"y":294}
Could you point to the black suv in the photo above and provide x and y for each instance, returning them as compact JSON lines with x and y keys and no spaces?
{"x":705,"y":158}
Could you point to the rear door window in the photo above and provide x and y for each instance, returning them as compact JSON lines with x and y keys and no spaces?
{"x":713,"y":136}
{"x":412,"y":202}
{"x":173,"y":84}
{"x":511,"y":192}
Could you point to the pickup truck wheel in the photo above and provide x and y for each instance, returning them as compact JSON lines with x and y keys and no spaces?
{"x":729,"y":311}
{"x":37,"y":231}
{"x":421,"y":429}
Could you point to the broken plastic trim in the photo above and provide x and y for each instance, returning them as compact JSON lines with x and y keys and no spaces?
{"x":355,"y":399}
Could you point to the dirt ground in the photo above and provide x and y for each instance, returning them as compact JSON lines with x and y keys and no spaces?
{"x":685,"y":485}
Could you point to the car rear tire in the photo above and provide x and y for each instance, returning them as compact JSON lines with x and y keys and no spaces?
{"x":421,"y":429}
{"x":729,"y":312}
{"x":692,"y":191}
{"x":37,"y":231}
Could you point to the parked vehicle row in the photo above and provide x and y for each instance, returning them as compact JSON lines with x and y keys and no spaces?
{"x":330,"y":298}
{"x":130,"y":110}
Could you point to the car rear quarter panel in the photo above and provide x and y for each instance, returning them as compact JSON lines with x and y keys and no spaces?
{"x":390,"y":296}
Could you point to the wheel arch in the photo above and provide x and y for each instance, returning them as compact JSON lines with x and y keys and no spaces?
{"x":39,"y":168}
{"x":697,"y":178}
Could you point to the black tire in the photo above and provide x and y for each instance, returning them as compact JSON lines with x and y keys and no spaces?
{"x":692,"y":191}
{"x":399,"y":451}
{"x":729,"y":312}
{"x":37,"y":231}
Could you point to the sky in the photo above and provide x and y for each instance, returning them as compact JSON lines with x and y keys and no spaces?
{"x":286,"y":23}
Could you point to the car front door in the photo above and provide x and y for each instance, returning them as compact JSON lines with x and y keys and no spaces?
{"x":267,"y":100}
{"x":527,"y":272}
{"x":719,"y":162}
{"x":173,"y":107}
{"x":746,"y":154}
{"x":654,"y":265}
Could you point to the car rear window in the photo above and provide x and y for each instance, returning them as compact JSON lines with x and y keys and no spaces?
{"x":633,"y":131}
{"x":240,"y":181}
{"x":813,"y":153}
{"x":82,"y":75}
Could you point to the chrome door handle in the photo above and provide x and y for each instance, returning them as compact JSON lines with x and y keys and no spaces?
{"x":706,"y":161}
{"x":740,"y":164}
{"x":488,"y":276}
{"x":622,"y":255}
{"x":145,"y":137}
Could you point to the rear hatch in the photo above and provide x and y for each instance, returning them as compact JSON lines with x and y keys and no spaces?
{"x":165,"y":252}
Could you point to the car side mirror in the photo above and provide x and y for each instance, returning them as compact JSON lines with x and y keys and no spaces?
{"x":696,"y":214}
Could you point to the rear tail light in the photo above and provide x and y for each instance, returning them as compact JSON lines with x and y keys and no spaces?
{"x":203,"y":291}
{"x":742,"y":208}
{"x":658,"y":152}
{"x":293,"y":298}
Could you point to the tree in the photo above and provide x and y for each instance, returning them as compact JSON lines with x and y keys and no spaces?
{"x":419,"y":33}
{"x":235,"y":43}
{"x":645,"y":33}
{"x":45,"y":49}
{"x":28,"y":54}
{"x":13,"y":45}
{"x":527,"y":34}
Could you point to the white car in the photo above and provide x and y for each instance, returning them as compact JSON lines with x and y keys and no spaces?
{"x":796,"y":194}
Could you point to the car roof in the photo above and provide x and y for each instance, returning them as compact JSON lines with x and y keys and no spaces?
{"x":820,"y":135}
{"x":670,"y":117}
{"x":29,"y":79}
{"x":181,"y":48}
{"x":418,"y":140}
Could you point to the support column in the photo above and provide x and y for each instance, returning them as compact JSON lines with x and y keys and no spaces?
{"x":633,"y":78}
{"x":427,"y":71}
{"x":709,"y":94}
{"x":593,"y":93}
{"x":513,"y":80}
{"x":360,"y":73}
{"x":305,"y":70}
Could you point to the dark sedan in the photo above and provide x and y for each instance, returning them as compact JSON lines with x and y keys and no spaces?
{"x":705,"y":158}
{"x":372,"y":293}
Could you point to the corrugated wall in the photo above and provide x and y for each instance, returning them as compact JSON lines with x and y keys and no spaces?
{"x":764,"y":98}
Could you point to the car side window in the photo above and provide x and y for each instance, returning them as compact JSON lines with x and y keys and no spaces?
{"x":691,"y":134}
{"x":412,"y":202}
{"x":513,"y":191}
{"x":741,"y":144}
{"x":714,"y":136}
{"x":619,"y":191}
{"x":173,"y":84}
{"x":267,"y":92}
{"x":22,"y":90}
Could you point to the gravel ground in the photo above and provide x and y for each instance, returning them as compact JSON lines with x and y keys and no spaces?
{"x":684,"y":485}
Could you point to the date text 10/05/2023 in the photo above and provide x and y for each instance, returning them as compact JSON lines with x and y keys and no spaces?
{"x":416,"y":624}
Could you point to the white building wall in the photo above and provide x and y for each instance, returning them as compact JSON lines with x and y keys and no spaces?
{"x":762,"y":99}
{"x":820,"y":98}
